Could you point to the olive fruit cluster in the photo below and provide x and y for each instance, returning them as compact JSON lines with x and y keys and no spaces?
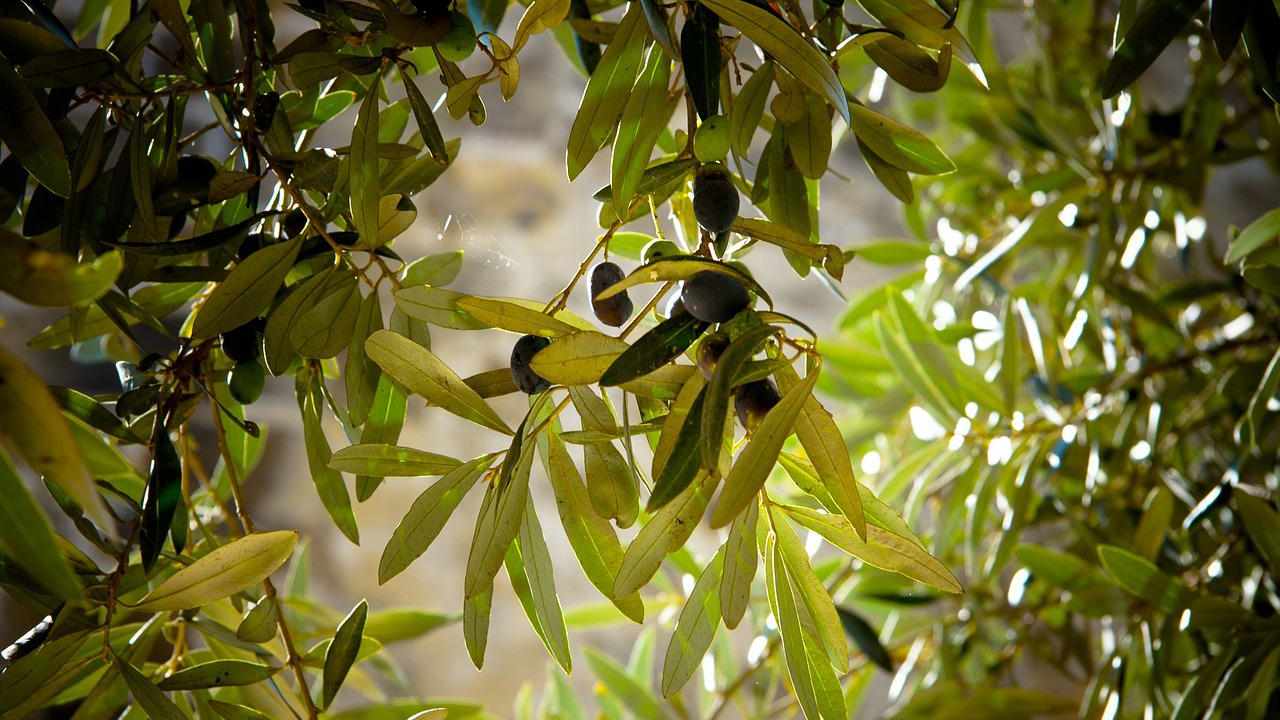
{"x":247,"y":377}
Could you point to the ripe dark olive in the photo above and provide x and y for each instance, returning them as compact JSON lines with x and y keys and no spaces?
{"x":614,"y":310}
{"x":709,"y":352}
{"x":671,"y":307}
{"x":714,"y":297}
{"x":294,"y":223}
{"x":241,"y":344}
{"x":521,"y":355}
{"x":715,"y":199}
{"x":194,"y":173}
{"x":753,"y":401}
{"x":246,"y":380}
{"x":659,"y":249}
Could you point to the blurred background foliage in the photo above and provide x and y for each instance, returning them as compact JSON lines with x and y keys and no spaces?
{"x":1057,"y":372}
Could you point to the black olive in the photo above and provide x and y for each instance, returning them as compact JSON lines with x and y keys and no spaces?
{"x":709,"y":352}
{"x":521,"y":355}
{"x":294,"y":223}
{"x":241,"y":344}
{"x":754,"y":400}
{"x":673,"y":306}
{"x":264,"y":108}
{"x":195,"y":173}
{"x":715,"y":199}
{"x":613,"y":310}
{"x":713,"y":296}
{"x":246,"y":381}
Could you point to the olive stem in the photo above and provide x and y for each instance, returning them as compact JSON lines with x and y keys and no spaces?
{"x":560,"y":299}
{"x":269,"y":589}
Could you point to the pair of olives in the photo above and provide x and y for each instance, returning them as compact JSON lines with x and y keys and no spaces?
{"x":247,"y":378}
{"x":751,"y":401}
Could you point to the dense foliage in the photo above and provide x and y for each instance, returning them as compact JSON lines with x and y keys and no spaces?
{"x":1063,"y":405}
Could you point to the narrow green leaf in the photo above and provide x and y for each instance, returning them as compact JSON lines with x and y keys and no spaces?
{"x":610,"y":482}
{"x":529,"y":565}
{"x":651,"y":351}
{"x":715,"y":402}
{"x":329,"y":483}
{"x":1156,"y":25}
{"x":748,"y":108}
{"x":499,"y":520}
{"x":824,"y":444}
{"x":786,"y":46}
{"x":899,"y":145}
{"x":422,"y":373}
{"x":695,"y":628}
{"x":218,"y":673}
{"x":366,"y":178}
{"x":29,"y":134}
{"x":740,"y":563}
{"x":647,"y":110}
{"x":1263,"y":525}
{"x":756,"y":460}
{"x":247,"y":290}
{"x":239,"y":564}
{"x":342,"y":652}
{"x":883,"y":549}
{"x":28,"y":540}
{"x":427,"y":516}
{"x":592,"y":538}
{"x":606,"y":92}
{"x":811,"y":596}
{"x":148,"y":697}
{"x":391,"y":461}
{"x":636,"y":698}
{"x":665,"y":533}
{"x":1142,"y":579}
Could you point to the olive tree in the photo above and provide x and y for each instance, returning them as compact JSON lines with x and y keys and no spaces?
{"x":1062,"y":405}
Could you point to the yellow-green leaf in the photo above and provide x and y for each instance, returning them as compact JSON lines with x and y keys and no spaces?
{"x":756,"y":460}
{"x":647,"y":110}
{"x":227,"y":570}
{"x":421,"y":372}
{"x":606,"y":92}
{"x":28,"y":540}
{"x":390,"y":461}
{"x":427,"y":517}
{"x":695,"y":628}
{"x":32,"y":422}
{"x":52,"y":279}
{"x":882,"y":548}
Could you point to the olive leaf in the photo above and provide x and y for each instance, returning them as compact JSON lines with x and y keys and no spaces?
{"x":528,"y":563}
{"x":380,"y":460}
{"x":28,"y":540}
{"x":424,"y":374}
{"x":426,"y":517}
{"x":695,"y":628}
{"x":29,"y":134}
{"x":342,"y":652}
{"x":218,"y":673}
{"x":226,"y":570}
{"x":247,"y":290}
{"x":604,"y":97}
{"x":647,"y":110}
{"x":756,"y":460}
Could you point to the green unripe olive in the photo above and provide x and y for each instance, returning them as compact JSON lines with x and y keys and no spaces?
{"x":458,"y":44}
{"x":715,"y":199}
{"x":615,"y":310}
{"x":246,"y":380}
{"x":711,"y":140}
{"x":753,"y":401}
{"x":659,"y":249}
{"x":521,"y":355}
{"x":709,"y":352}
{"x":714,"y":297}
{"x":241,"y":344}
